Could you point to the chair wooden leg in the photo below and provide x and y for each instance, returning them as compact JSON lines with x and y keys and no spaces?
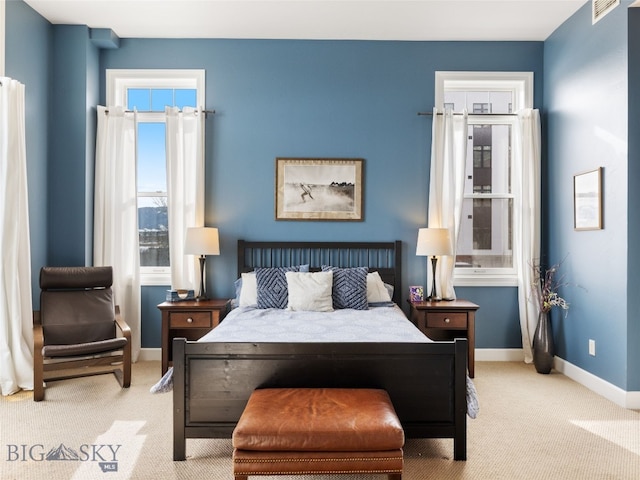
{"x":395,"y":476}
{"x":38,"y":389}
{"x":241,"y":477}
{"x":38,"y":361}
{"x":126,"y":367}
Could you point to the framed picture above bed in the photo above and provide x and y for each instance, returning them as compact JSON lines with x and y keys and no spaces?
{"x":319,"y":189}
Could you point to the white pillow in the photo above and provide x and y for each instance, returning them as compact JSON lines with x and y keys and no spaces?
{"x":310,"y":291}
{"x":249,"y":291}
{"x":376,"y":291}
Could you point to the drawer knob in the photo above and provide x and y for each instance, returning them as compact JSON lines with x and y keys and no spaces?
{"x":447,"y":320}
{"x":190,"y":320}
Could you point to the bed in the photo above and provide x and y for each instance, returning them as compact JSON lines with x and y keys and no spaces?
{"x":426,"y":380}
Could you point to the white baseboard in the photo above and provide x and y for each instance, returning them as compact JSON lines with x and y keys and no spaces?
{"x":499,"y":355}
{"x":150,"y":354}
{"x":630,"y":400}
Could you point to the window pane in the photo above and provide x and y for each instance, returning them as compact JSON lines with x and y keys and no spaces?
{"x":152,"y":195}
{"x":489,"y":159}
{"x":185,"y":97}
{"x":480,"y":101}
{"x":152,"y":157}
{"x":153,"y":231}
{"x":160,"y":98}
{"x":485,"y":234}
{"x":138,"y":98}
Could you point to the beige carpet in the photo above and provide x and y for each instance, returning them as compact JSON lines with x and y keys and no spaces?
{"x":530,"y":426}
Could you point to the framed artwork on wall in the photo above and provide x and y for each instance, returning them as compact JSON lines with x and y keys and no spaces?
{"x":587,"y":200}
{"x":319,"y":189}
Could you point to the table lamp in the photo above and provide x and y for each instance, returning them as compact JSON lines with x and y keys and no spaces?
{"x":202,"y":241}
{"x":434,"y":242}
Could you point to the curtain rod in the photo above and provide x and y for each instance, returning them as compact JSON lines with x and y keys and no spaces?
{"x":472,"y":114}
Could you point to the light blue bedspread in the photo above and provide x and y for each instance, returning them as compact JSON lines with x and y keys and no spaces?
{"x":379,"y":324}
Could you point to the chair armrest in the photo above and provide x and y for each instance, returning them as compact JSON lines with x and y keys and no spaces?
{"x":122,"y":325}
{"x":38,"y":335}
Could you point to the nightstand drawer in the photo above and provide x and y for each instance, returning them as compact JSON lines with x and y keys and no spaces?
{"x":192,"y":319}
{"x":447,"y":320}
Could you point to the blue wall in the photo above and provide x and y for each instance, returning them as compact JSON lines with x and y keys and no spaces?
{"x":633,"y":269}
{"x":72,"y":147}
{"x":273,"y":98}
{"x":359,"y":99}
{"x":586,"y":110}
{"x":328,"y":99}
{"x":28,"y":59}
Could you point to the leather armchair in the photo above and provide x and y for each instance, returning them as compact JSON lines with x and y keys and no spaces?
{"x":78,"y":330}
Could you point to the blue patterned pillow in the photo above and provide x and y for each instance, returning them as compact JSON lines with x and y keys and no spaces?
{"x":272,"y":286}
{"x":349,"y":287}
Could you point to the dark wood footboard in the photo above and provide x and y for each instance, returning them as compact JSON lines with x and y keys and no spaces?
{"x":426,"y":382}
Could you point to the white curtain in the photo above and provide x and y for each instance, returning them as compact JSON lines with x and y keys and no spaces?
{"x":446,"y":187}
{"x":115,"y":234}
{"x":185,"y":189}
{"x":16,"y":324}
{"x":526,"y":232}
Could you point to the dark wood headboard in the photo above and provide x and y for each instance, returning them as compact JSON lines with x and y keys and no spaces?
{"x":383,"y":257}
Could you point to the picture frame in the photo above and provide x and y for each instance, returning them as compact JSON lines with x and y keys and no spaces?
{"x":587,"y":200}
{"x":327,"y":189}
{"x":416,"y":293}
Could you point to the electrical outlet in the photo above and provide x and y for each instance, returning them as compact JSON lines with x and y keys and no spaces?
{"x":592,"y":348}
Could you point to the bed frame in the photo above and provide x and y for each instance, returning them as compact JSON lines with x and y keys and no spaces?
{"x":426,"y":381}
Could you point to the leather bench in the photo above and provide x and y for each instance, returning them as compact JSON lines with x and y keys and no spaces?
{"x":300,"y":431}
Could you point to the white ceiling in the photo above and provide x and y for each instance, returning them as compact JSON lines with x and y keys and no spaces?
{"x":316,"y":19}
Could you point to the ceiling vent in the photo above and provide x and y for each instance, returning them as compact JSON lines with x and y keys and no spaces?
{"x":601,"y":7}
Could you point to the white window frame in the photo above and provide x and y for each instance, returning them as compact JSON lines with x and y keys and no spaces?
{"x":520,"y":84}
{"x":118,"y":81}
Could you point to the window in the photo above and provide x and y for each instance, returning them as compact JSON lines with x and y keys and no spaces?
{"x":485,"y":241}
{"x":148,"y":92}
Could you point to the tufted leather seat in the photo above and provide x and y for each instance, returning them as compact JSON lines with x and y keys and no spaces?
{"x":298,"y":431}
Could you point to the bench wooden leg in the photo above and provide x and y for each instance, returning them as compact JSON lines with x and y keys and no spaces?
{"x":395,"y":476}
{"x":241,"y":477}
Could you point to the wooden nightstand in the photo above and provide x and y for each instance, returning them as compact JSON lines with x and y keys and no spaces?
{"x":445,"y":320}
{"x":188,"y":319}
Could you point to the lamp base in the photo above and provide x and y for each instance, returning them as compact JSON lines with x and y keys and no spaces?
{"x":434,"y":295}
{"x":202,"y":295}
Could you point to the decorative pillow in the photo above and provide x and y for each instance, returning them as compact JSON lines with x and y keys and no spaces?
{"x":349,"y":287}
{"x":248,"y":290}
{"x":376,"y":290}
{"x":250,"y":296}
{"x":310,"y":291}
{"x":272,"y":286}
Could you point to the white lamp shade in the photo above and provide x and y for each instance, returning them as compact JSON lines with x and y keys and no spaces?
{"x":202,"y":241}
{"x":434,"y":241}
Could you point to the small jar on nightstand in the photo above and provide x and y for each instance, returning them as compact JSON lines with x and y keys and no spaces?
{"x":446,"y":320}
{"x":188,"y":319}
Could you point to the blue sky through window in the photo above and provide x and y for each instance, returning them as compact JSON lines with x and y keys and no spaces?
{"x":152,"y":175}
{"x":152,"y":171}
